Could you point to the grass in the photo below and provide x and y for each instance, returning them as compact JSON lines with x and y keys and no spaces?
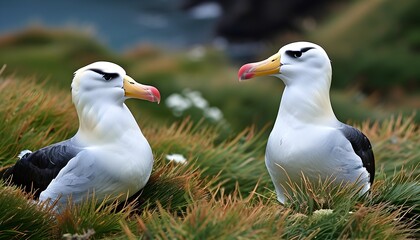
{"x":30,"y":118}
{"x":21,"y":218}
{"x":223,"y":191}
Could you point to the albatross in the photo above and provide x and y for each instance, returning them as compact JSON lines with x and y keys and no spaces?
{"x":307,"y":138}
{"x":108,"y":156}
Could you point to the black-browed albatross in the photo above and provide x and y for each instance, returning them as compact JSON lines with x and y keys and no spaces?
{"x":307,"y":137}
{"x":108,"y":156}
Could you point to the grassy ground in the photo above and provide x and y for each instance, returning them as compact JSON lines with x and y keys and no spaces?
{"x":223,"y":191}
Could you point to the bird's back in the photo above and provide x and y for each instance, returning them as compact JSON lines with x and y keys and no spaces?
{"x":34,"y":171}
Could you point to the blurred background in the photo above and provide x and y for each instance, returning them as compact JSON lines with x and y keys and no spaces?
{"x":191,"y":51}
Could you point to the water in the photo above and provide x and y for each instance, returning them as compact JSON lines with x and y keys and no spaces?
{"x":117,"y":24}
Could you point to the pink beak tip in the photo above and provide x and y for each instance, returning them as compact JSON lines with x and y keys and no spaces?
{"x":244,"y":72}
{"x":155,"y":97}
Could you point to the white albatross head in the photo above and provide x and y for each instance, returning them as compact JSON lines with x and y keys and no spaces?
{"x":306,"y":71}
{"x":108,"y":82}
{"x":295,"y":63}
{"x":98,"y":92}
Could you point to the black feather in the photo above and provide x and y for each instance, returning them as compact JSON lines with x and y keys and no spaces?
{"x":35,"y":171}
{"x":361,"y":147}
{"x":305,"y":49}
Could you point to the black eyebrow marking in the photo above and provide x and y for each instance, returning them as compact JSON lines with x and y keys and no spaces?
{"x":297,"y":54}
{"x":98,"y":71}
{"x":305,"y":49}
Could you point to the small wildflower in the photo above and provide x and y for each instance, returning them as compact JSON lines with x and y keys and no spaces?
{"x":178,"y":158}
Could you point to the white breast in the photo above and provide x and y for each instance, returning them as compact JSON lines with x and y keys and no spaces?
{"x":316,"y":151}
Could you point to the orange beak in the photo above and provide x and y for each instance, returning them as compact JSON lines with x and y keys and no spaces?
{"x":266,"y":67}
{"x":134,"y":89}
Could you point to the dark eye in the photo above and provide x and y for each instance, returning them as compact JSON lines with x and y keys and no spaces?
{"x":294,"y":54}
{"x":107,"y":76}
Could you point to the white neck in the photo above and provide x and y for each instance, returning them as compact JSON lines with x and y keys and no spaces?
{"x":302,"y":104}
{"x":100,"y":122}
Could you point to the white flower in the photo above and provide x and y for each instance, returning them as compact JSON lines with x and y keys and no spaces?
{"x":323,"y":212}
{"x":178,"y":103}
{"x":196,"y":98}
{"x":178,"y":158}
{"x":320,"y":214}
{"x":213,"y":113}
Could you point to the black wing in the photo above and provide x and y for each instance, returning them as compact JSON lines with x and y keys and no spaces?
{"x":361,"y":147}
{"x":36,"y":170}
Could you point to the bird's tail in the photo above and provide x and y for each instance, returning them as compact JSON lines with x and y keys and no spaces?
{"x":6,"y":172}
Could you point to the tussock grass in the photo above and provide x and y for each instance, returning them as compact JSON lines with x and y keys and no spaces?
{"x":378,"y":222}
{"x":31,"y":118}
{"x":99,"y":218}
{"x":401,"y":192}
{"x":362,"y":223}
{"x":307,"y":197}
{"x":234,"y":160}
{"x":396,"y":143}
{"x":227,"y":216}
{"x":322,"y":210}
{"x":172,"y":187}
{"x":21,"y":218}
